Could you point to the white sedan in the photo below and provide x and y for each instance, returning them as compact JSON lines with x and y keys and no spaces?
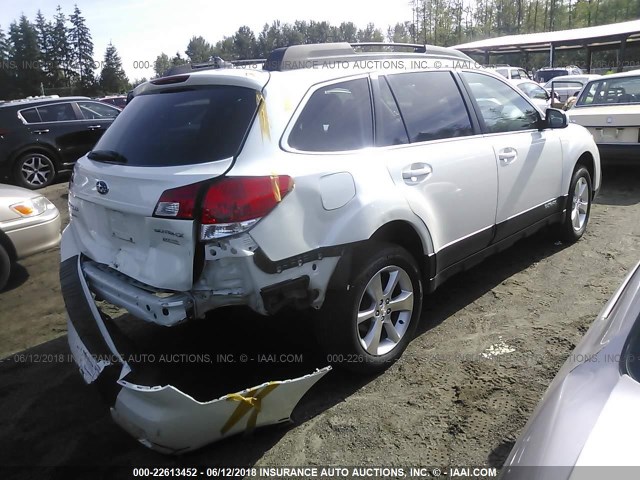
{"x":609,"y":107}
{"x":29,"y":223}
{"x":540,"y":97}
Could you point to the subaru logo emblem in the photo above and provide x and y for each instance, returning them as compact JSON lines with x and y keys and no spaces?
{"x":102,"y":187}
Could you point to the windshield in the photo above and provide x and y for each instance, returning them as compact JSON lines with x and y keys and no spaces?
{"x":621,"y":90}
{"x":182,"y":126}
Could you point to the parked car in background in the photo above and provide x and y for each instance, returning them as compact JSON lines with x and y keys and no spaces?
{"x":588,"y":415}
{"x":42,"y":137}
{"x":540,"y":97}
{"x":509,"y":72}
{"x":566,"y":86}
{"x":545,"y":74}
{"x":609,"y":107}
{"x":29,"y":223}
{"x":119,"y":101}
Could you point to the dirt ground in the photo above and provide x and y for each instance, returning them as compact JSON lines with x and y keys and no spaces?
{"x":490,"y":342}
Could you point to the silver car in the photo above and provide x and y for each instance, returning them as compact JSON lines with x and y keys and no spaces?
{"x":588,"y":415}
{"x":29,"y":223}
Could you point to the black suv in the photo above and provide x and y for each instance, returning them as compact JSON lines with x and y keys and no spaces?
{"x":41,"y":137}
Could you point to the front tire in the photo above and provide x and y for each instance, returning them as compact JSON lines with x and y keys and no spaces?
{"x":578,"y":206}
{"x":34,"y":170}
{"x":365,"y":326}
{"x":5,"y":267}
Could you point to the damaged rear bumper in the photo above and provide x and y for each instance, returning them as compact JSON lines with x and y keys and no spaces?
{"x":161,"y":416}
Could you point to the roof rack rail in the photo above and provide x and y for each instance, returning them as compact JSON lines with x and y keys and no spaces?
{"x":417,"y":47}
{"x":213,"y":63}
{"x":314,"y":54}
{"x":248,"y":63}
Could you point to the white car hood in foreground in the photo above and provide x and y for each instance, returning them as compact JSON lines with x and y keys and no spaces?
{"x":613,"y":441}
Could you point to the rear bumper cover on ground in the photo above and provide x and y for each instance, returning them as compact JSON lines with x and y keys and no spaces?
{"x":161,"y":416}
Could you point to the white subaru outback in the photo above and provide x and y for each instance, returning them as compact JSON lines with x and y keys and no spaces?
{"x":345,"y":181}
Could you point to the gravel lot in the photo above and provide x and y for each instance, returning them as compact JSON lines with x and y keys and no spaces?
{"x":443,"y":403}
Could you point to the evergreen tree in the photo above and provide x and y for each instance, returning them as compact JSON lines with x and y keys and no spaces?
{"x":26,"y":57}
{"x":81,"y":47}
{"x":44,"y":32}
{"x":6,"y":68}
{"x":60,"y":56}
{"x":112,"y":77}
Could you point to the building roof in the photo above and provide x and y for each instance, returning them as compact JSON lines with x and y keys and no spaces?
{"x":598,"y":36}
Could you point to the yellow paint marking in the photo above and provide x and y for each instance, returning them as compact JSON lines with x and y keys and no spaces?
{"x":251,"y":401}
{"x":262,"y":116}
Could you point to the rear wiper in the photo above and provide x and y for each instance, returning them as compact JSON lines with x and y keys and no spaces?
{"x":108,"y":156}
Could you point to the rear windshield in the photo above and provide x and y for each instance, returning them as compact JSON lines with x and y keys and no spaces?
{"x":611,"y":90}
{"x":546,"y":75}
{"x":179,"y":127}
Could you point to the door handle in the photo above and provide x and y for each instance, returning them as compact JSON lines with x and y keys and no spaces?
{"x":40,"y":132}
{"x":416,"y":173}
{"x":508,"y":155}
{"x":93,"y":127}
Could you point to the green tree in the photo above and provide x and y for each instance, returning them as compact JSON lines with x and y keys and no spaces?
{"x":60,"y":55}
{"x":44,"y":33}
{"x":347,"y":32}
{"x":162,"y":64}
{"x":199,"y":50}
{"x":81,"y":48}
{"x":178,"y":60}
{"x":244,"y":43}
{"x":225,"y":49}
{"x":370,"y":34}
{"x":270,"y":38}
{"x":112,"y":77}
{"x":6,"y":68}
{"x":399,"y":33}
{"x":26,"y":56}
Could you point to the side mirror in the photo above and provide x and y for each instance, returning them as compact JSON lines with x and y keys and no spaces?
{"x":554,"y":118}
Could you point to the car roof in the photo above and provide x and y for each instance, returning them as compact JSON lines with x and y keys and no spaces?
{"x":629,"y":73}
{"x":321,"y":70}
{"x":32,"y":102}
{"x":587,"y":77}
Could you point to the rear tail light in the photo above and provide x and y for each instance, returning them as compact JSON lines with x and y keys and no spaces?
{"x":229,"y":206}
{"x":4,"y":131}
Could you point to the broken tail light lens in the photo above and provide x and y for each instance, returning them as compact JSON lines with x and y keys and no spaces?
{"x":178,"y":202}
{"x":231,"y":205}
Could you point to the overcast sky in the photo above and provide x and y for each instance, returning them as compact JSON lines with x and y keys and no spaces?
{"x":142,"y":29}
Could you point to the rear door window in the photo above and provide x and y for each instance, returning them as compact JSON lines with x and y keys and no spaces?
{"x":180,"y":126}
{"x":337,"y":117}
{"x":96,"y":111}
{"x":57,"y":112}
{"x":30,"y":115}
{"x":431,"y":105}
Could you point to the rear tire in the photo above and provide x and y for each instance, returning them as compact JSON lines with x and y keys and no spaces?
{"x":5,"y":267}
{"x":34,"y":170}
{"x":578,"y":206}
{"x":366,"y":325}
